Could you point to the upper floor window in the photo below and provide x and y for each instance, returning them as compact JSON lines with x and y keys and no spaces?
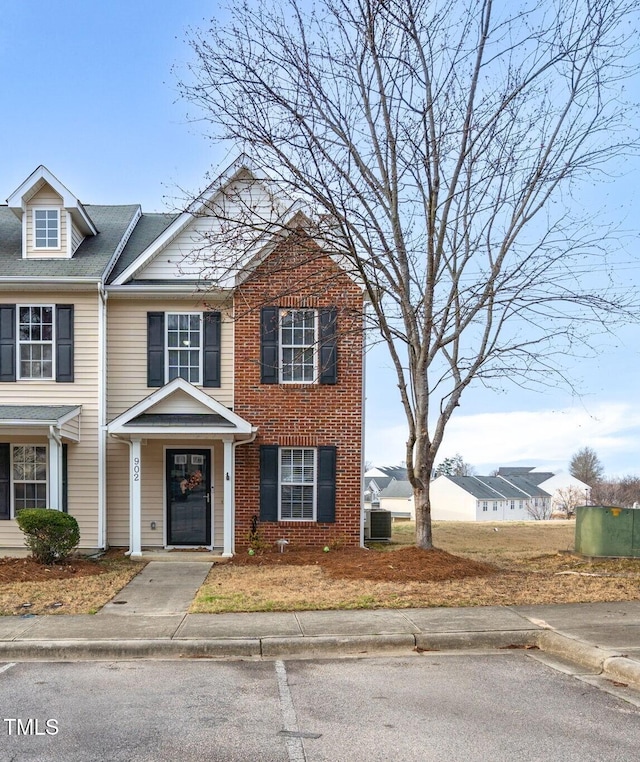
{"x":298,"y":343}
{"x":298,"y":346}
{"x":184,"y":346}
{"x":46,"y":227}
{"x":36,"y":341}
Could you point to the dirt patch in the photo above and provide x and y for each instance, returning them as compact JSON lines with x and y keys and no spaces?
{"x":27,"y":570}
{"x":409,"y":564}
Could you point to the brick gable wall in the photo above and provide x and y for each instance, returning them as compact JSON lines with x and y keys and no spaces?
{"x":298,"y":274}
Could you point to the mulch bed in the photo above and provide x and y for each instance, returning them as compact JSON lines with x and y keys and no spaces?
{"x":408,"y":564}
{"x":27,"y":570}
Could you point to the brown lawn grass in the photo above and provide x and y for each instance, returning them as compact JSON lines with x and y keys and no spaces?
{"x":530,"y":563}
{"x":79,"y":587}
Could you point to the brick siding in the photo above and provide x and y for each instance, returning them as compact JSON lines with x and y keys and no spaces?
{"x":298,"y":274}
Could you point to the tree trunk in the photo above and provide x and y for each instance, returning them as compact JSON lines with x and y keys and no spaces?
{"x":423,"y":518}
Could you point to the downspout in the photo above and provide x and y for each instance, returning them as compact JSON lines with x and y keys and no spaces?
{"x":102,"y":426}
{"x":56,"y":436}
{"x":362,"y":437}
{"x":233,"y":485}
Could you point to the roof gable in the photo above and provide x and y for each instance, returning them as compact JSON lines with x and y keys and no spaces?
{"x":37,"y":180}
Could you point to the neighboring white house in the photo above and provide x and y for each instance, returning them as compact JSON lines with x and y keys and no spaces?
{"x":487,"y":498}
{"x":397,"y":497}
{"x":566,"y":491}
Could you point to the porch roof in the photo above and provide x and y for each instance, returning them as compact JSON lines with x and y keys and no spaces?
{"x":180,"y":419}
{"x":34,"y":417}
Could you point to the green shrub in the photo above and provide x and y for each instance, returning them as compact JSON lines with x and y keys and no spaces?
{"x":49,"y":535}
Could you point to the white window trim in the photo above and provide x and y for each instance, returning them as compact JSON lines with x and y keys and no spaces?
{"x":13,"y":481}
{"x":33,"y":228}
{"x":19,"y":343}
{"x":316,"y":321}
{"x":166,"y":346}
{"x":314,"y":485}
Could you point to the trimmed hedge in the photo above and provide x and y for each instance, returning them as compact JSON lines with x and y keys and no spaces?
{"x":50,"y":535}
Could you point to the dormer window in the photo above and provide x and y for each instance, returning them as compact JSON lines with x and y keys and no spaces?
{"x":46,"y":225}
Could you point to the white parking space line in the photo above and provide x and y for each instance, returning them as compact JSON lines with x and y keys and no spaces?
{"x":7,"y":666}
{"x":293,"y":743}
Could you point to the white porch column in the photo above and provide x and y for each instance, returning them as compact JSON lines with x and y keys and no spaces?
{"x":227,"y":500}
{"x":135,"y":510}
{"x":54,"y":468}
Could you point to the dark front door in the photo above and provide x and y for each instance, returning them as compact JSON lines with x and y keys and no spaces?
{"x":188,"y":474}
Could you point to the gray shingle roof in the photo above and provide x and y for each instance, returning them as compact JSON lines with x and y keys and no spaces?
{"x":179,"y":419}
{"x":89,"y":261}
{"x":398,"y":488}
{"x":497,"y":488}
{"x":48,"y":414}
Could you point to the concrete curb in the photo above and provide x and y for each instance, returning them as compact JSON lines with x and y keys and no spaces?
{"x":574,"y":650}
{"x":453,"y":641}
{"x":609,"y":664}
{"x":73,"y":650}
{"x":622,"y":670}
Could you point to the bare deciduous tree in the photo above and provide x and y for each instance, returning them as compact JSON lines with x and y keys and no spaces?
{"x":438,"y":145}
{"x":567,"y":499}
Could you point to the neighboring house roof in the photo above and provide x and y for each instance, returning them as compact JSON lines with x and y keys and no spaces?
{"x":90,"y":259}
{"x":390,"y":472}
{"x":514,"y":470}
{"x":537,"y":477}
{"x":397,"y":489}
{"x":498,"y":488}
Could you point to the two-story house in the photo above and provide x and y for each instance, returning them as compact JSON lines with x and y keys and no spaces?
{"x":173,"y":383}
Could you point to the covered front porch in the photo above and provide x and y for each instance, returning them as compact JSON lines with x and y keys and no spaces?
{"x":181,"y":465}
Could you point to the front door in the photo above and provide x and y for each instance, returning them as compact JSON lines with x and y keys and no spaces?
{"x":188,"y":475}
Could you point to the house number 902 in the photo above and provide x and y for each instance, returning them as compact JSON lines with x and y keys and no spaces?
{"x":136,"y":469}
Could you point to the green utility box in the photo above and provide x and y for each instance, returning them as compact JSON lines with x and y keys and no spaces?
{"x":604,"y":530}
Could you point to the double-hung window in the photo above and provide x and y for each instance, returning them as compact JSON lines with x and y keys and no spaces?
{"x":298,"y":345}
{"x":29,"y":476}
{"x":184,"y":346}
{"x":46,"y":228}
{"x":297,"y":483}
{"x":36,"y":341}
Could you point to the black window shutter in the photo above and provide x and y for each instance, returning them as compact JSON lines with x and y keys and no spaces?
{"x":64,"y":343}
{"x":328,"y":346}
{"x":65,"y":483}
{"x":326,"y":499}
{"x":155,"y":348}
{"x":7,"y":342}
{"x":269,"y":345}
{"x":5,"y":482}
{"x":211,"y":343}
{"x":268,"y":483}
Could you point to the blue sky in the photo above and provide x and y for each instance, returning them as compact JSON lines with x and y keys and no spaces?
{"x":88,"y":90}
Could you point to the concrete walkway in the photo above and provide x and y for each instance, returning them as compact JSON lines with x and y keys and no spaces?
{"x":585,"y":638}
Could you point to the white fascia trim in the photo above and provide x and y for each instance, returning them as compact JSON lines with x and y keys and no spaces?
{"x":70,"y":416}
{"x":165,"y":288}
{"x":511,"y":484}
{"x":123,"y":242}
{"x":241,"y":425}
{"x":151,"y":432}
{"x":17,"y":203}
{"x":45,"y":279}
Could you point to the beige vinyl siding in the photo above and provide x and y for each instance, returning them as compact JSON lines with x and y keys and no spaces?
{"x":82,"y":456}
{"x":127,"y":351}
{"x":153,"y":508}
{"x":46,"y":197}
{"x":205,"y":249}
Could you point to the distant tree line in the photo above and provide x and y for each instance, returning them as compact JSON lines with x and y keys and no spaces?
{"x":622,"y":491}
